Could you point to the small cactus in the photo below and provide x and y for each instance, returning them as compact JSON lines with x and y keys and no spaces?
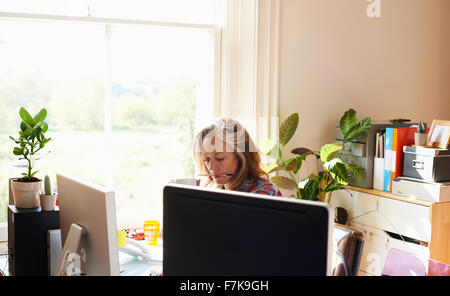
{"x":47,"y":185}
{"x":422,"y":127}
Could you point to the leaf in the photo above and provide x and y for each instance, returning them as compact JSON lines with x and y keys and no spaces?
{"x":311,"y":189}
{"x":23,"y":126}
{"x":26,"y":117}
{"x":283,"y":182}
{"x":329,"y":165}
{"x":26,"y":133}
{"x":347,"y":121}
{"x":303,"y":182}
{"x":44,"y":127}
{"x":17,"y":151}
{"x":339,"y":173}
{"x":334,"y":186}
{"x":301,"y":151}
{"x":33,"y":173}
{"x":272,"y":168}
{"x":355,"y":170}
{"x":266,"y":146}
{"x":298,"y":165}
{"x":40,"y":116}
{"x":288,"y":128}
{"x":361,"y":129}
{"x":329,"y":151}
{"x":289,"y":164}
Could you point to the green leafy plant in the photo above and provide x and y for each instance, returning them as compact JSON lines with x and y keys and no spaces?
{"x":335,"y":171}
{"x":31,"y":140}
{"x":421,"y":127}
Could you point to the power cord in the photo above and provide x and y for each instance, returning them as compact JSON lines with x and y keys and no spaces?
{"x":379,"y":212}
{"x":344,"y":263}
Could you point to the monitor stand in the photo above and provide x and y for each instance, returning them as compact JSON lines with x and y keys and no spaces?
{"x":69,"y":262}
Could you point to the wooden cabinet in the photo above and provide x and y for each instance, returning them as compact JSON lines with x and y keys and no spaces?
{"x":440,"y":232}
{"x":391,"y":221}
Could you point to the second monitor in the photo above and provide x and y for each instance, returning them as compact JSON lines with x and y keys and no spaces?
{"x":216,"y":232}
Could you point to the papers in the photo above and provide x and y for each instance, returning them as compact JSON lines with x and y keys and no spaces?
{"x":439,"y":134}
{"x":379,"y":145}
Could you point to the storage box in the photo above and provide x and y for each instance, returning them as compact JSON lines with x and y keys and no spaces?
{"x":430,"y":164}
{"x":421,"y":190}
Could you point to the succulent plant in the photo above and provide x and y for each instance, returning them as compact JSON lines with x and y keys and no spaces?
{"x":422,"y":127}
{"x":47,"y":185}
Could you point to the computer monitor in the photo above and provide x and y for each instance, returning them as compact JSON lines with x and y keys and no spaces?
{"x":218,"y":232}
{"x":88,"y":228}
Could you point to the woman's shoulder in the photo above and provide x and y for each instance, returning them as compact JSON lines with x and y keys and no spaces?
{"x":264,"y":186}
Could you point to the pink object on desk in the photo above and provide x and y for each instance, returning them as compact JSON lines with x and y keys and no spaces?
{"x":401,"y":263}
{"x":436,"y":268}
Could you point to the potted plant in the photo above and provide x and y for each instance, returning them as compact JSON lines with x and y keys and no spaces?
{"x":31,"y":139}
{"x":48,"y":199}
{"x":420,"y":138}
{"x":334,"y":169}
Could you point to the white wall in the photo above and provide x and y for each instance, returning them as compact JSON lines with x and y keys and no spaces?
{"x":334,"y":57}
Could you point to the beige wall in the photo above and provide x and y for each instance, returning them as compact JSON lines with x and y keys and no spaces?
{"x":334,"y":57}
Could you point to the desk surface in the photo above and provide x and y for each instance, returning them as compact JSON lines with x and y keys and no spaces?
{"x":132,"y":266}
{"x":129,"y":265}
{"x":136,"y":266}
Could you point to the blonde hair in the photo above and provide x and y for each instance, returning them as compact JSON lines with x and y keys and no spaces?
{"x":238,"y":141}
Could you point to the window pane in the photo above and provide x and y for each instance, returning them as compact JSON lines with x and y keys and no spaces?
{"x":160,"y":77}
{"x":59,"y":67}
{"x":51,"y":7}
{"x":191,"y":11}
{"x":157,"y":77}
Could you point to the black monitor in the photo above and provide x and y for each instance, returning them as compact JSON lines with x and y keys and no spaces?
{"x":218,"y":232}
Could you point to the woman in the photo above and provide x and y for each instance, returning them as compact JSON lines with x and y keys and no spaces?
{"x":226,"y":155}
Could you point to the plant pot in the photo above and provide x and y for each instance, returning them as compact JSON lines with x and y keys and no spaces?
{"x":48,"y":202}
{"x":26,"y":194}
{"x":420,"y":139}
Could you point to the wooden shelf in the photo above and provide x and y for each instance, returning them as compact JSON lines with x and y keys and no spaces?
{"x":390,"y":195}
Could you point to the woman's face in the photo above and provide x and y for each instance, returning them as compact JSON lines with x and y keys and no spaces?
{"x":219,"y":163}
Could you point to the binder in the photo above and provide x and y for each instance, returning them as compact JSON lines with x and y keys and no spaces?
{"x":388,"y":159}
{"x":400,"y":137}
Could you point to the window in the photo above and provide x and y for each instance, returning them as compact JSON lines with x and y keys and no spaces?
{"x":121,"y":95}
{"x":128,"y":83}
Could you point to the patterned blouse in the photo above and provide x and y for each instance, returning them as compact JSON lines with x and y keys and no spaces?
{"x":259,"y":186}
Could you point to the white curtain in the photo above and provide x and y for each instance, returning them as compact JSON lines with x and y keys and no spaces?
{"x":249,"y":67}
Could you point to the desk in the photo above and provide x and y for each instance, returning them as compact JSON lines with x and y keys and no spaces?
{"x":134,"y":266}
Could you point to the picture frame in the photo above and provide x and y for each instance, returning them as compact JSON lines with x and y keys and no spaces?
{"x":439,"y":134}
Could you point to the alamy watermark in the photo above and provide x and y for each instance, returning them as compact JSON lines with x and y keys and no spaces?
{"x":374,"y":8}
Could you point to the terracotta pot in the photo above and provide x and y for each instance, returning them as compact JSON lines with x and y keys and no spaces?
{"x":26,"y":194}
{"x":48,"y":202}
{"x":420,"y":139}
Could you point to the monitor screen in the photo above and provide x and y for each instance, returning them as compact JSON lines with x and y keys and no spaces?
{"x":218,"y":232}
{"x":90,"y":208}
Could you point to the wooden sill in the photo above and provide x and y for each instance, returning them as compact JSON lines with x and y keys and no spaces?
{"x":390,"y":195}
